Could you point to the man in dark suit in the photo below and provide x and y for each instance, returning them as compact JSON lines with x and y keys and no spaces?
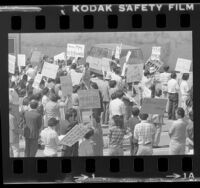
{"x":33,"y":121}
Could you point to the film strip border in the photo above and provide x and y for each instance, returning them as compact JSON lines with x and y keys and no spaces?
{"x":66,"y":169}
{"x":60,"y":19}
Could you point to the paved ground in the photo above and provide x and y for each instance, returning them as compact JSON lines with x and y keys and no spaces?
{"x":164,"y":141}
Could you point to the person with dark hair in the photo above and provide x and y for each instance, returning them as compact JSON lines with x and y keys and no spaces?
{"x":117,"y":106}
{"x":116,"y":137}
{"x":144,"y":134}
{"x":190,"y":134}
{"x":177,"y":134}
{"x":33,"y":124}
{"x":86,"y":146}
{"x":117,"y":77}
{"x":133,"y":120}
{"x":49,"y":138}
{"x":52,"y":107}
{"x":113,"y":88}
{"x":146,"y":84}
{"x":74,"y":66}
{"x":184,"y":91}
{"x":173,"y":96}
{"x":70,"y":122}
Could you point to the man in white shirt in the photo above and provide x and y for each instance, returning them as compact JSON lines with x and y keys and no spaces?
{"x":173,"y":93}
{"x":117,"y":106}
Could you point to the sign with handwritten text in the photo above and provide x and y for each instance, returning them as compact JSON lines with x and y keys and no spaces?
{"x":75,"y":50}
{"x":183,"y":65}
{"x":134,"y":73}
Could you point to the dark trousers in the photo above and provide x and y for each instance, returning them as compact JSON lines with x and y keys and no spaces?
{"x":31,"y":147}
{"x":105,"y":113}
{"x":173,"y":105}
{"x":70,"y":151}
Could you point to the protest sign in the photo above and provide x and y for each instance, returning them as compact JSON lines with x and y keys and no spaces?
{"x":134,"y":73}
{"x":37,"y":81}
{"x":128,"y":56}
{"x":153,"y":63}
{"x":21,"y":60}
{"x":105,"y":64}
{"x":66,"y":85}
{"x":11,"y":64}
{"x":75,"y":50}
{"x":36,"y":58}
{"x":60,"y":56}
{"x":117,"y":52}
{"x":183,"y":65}
{"x":153,"y":106}
{"x":89,"y":99}
{"x":49,"y":70}
{"x":156,"y":51}
{"x":74,"y":135}
{"x":76,"y":78}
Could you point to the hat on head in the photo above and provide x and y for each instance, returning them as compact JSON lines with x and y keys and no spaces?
{"x":53,"y":122}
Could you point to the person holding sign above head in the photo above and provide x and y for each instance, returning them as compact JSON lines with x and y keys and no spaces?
{"x":173,"y":93}
{"x":49,"y":138}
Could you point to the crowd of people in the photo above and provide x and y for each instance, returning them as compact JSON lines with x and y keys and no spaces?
{"x":39,"y":116}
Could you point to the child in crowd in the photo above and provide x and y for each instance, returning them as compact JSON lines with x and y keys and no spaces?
{"x":116,"y":137}
{"x":131,"y":126}
{"x":86,"y":146}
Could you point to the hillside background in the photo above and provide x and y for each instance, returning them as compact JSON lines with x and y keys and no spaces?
{"x":174,"y":44}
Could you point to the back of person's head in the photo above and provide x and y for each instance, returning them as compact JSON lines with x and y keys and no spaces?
{"x":158,"y":92}
{"x":112,"y":83}
{"x":45,"y":91}
{"x":118,"y":120}
{"x":53,"y":122}
{"x":143,"y":116}
{"x":37,"y":96}
{"x":30,"y":66}
{"x":146,"y":73}
{"x":191,"y":115}
{"x":185,"y":76}
{"x":117,"y":70}
{"x":94,"y":85}
{"x":180,"y":112}
{"x":89,"y":134}
{"x":73,"y":66}
{"x":25,"y":77}
{"x":33,"y":104}
{"x":25,"y":101}
{"x":135,"y":111}
{"x":113,"y":96}
{"x":173,"y":75}
{"x":71,"y":112}
{"x":166,"y":68}
{"x":57,"y":80}
{"x":119,"y":94}
{"x":53,"y":97}
{"x":76,"y":88}
{"x":51,"y":80}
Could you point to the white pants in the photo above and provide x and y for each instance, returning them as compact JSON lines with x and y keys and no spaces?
{"x":176,"y":148}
